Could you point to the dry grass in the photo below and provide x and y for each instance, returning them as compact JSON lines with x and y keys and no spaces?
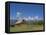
{"x":25,"y":27}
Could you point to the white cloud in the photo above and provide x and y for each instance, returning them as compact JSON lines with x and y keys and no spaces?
{"x":18,"y":14}
{"x":25,"y":18}
{"x":31,"y":18}
{"x":36,"y":17}
{"x":28,"y":18}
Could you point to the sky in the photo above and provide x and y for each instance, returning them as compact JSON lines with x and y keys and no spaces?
{"x":30,"y":11}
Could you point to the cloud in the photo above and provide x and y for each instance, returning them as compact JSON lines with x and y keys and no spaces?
{"x":28,"y":18}
{"x":33,"y":18}
{"x":18,"y":14}
{"x":36,"y":17}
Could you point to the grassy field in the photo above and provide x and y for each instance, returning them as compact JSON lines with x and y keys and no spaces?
{"x":26,"y":27}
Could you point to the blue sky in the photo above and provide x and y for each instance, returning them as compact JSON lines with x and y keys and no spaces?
{"x":25,"y":10}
